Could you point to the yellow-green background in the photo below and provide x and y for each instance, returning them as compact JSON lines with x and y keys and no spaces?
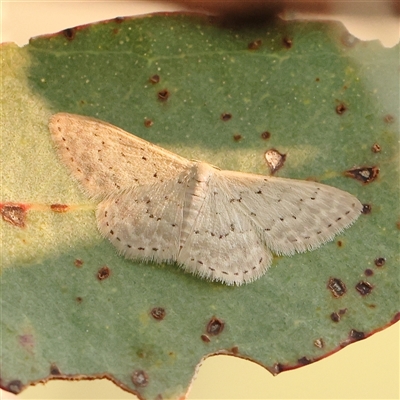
{"x":365,"y":370}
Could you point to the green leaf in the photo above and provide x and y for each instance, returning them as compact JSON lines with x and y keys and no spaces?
{"x":324,"y":97}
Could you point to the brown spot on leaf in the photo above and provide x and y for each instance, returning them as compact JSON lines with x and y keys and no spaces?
{"x":235,"y":350}
{"x":78,"y":263}
{"x":380,"y":261}
{"x":368,"y":272}
{"x":140,"y":378}
{"x":163,"y":95}
{"x":317,"y":79}
{"x":155,"y":78}
{"x":14,"y":214}
{"x":278,"y":368}
{"x":341,"y":109}
{"x":59,"y":208}
{"x":158,"y":313}
{"x":79,"y":300}
{"x":319,"y":343}
{"x":255,"y":44}
{"x":148,"y":123}
{"x":304,"y":361}
{"x":389,"y":119}
{"x":27,"y":341}
{"x":103,"y":273}
{"x":367,"y":208}
{"x":15,"y":386}
{"x":274,"y":159}
{"x":54,"y":370}
{"x":335,"y":317}
{"x":376,"y":148}
{"x":265,"y":135}
{"x":337,"y":287}
{"x":205,"y":338}
{"x":356,"y":335}
{"x":339,"y":243}
{"x":226,"y":116}
{"x":287,"y":42}
{"x":364,"y":288}
{"x":237,"y":138}
{"x":119,"y":20}
{"x":215,"y":326}
{"x":364,"y":174}
{"x":69,"y":33}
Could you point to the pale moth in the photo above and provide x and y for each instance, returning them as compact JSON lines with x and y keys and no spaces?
{"x":220,"y":225}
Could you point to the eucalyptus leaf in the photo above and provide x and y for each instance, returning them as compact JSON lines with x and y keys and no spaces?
{"x":72,"y":307}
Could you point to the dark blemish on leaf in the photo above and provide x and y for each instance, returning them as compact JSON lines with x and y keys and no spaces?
{"x":27,"y":341}
{"x":59,"y":208}
{"x":339,"y":243}
{"x":215,"y":326}
{"x":148,"y":123}
{"x":140,"y":378}
{"x":342,"y":311}
{"x":274,"y":159}
{"x":78,"y":263}
{"x":163,"y":95}
{"x":376,"y":148}
{"x":154,"y":79}
{"x":335,"y":317}
{"x":389,"y":119}
{"x":15,"y":386}
{"x":141,"y":248}
{"x":367,"y":208}
{"x":380,"y":261}
{"x":356,"y":335}
{"x":103,"y":273}
{"x":398,"y":225}
{"x":337,"y":287}
{"x":278,"y":368}
{"x":226,"y":116}
{"x":304,"y":361}
{"x":237,"y":138}
{"x":368,"y":272}
{"x":14,"y":214}
{"x":287,"y":42}
{"x":364,"y":288}
{"x":340,"y":109}
{"x":319,"y":343}
{"x":364,"y":174}
{"x":69,"y":33}
{"x":265,"y":135}
{"x":119,"y":20}
{"x":255,"y":45}
{"x":235,"y":350}
{"x":158,"y":313}
{"x":54,"y":370}
{"x":205,"y":338}
{"x":317,"y":79}
{"x":79,"y":300}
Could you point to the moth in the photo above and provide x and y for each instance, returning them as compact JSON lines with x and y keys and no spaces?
{"x":220,"y":225}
